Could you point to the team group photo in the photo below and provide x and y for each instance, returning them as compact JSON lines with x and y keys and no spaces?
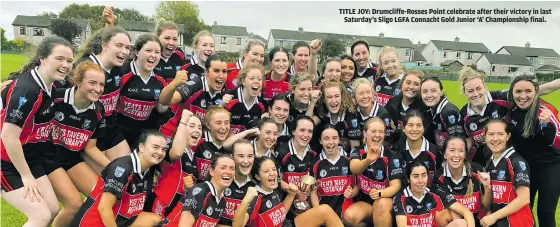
{"x":124,"y":128}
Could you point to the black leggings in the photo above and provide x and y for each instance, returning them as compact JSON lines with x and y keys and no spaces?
{"x":545,"y":181}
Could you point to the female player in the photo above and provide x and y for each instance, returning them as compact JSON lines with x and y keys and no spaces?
{"x":389,"y":75}
{"x":279,"y":111}
{"x":331,"y":70}
{"x":509,"y":174}
{"x":26,"y":118}
{"x":379,"y":172}
{"x":262,"y":205}
{"x":205,"y":202}
{"x":360,"y":53}
{"x":301,"y":92}
{"x":408,"y":100}
{"x":252,"y":54}
{"x":277,"y":80}
{"x":348,"y":70}
{"x":172,"y":58}
{"x":266,"y":135}
{"x":534,"y":127}
{"x":203,"y":46}
{"x":217,"y":122}
{"x":335,"y":183}
{"x":246,"y":104}
{"x":118,"y":197}
{"x":416,"y":205}
{"x":178,"y":170}
{"x":108,"y":48}
{"x":304,"y":58}
{"x":466,"y":181}
{"x":368,"y":107}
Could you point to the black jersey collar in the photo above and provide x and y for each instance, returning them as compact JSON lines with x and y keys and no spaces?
{"x":285,"y":131}
{"x":408,"y":193}
{"x":425,"y":147}
{"x":214,"y":191}
{"x":471,"y":111}
{"x":206,"y":87}
{"x":239,"y":64}
{"x":248,"y":106}
{"x":372,"y":113}
{"x":268,"y":152}
{"x":369,"y":66}
{"x":442,"y":103}
{"x":389,"y":82}
{"x":241,"y":184}
{"x":506,"y":154}
{"x":447,"y":173}
{"x":262,"y":191}
{"x":294,"y":152}
{"x":37,"y":77}
{"x":96,"y":60}
{"x":136,"y":164}
{"x":69,"y":99}
{"x":323,"y":155}
{"x":208,"y":137}
{"x":189,"y":153}
{"x":338,"y":119}
{"x":135,"y":71}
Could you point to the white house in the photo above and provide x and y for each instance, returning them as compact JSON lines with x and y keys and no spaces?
{"x":438,"y":51}
{"x":34,"y":29}
{"x":503,"y":64}
{"x":229,"y":38}
{"x":542,"y":59}
{"x":404,"y":47}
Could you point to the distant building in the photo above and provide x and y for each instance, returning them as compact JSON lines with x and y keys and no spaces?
{"x":34,"y":29}
{"x":438,"y":51}
{"x":452,"y":65}
{"x":258,"y":37}
{"x":542,"y":59}
{"x":503,"y":64}
{"x":229,"y":38}
{"x":417,"y":55}
{"x":137,"y":28}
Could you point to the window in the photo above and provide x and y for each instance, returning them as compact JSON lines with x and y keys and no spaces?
{"x":469,"y":55}
{"x":223,"y":40}
{"x":532,"y":69}
{"x":38,"y":32}
{"x":554,"y":62}
{"x":512,"y":69}
{"x":22,"y":30}
{"x":238,"y":41}
{"x":493,"y":68}
{"x":407,"y":52}
{"x":542,"y":61}
{"x":444,"y":54}
{"x":281,"y":43}
{"x":531,"y":60}
{"x":458,"y":55}
{"x":433,"y":52}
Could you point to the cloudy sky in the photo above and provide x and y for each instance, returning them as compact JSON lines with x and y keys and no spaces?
{"x":260,"y":17}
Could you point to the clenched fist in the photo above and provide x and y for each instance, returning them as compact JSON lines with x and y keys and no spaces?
{"x":188,"y":182}
{"x":181,"y":77}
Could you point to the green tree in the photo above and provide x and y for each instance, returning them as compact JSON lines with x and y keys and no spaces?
{"x":5,"y":42}
{"x":48,"y":14}
{"x":66,"y":28}
{"x":21,"y":45}
{"x":129,"y":14}
{"x":331,"y":47}
{"x":183,"y":12}
{"x":94,"y":14}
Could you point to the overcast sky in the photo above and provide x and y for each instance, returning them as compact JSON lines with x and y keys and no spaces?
{"x":260,"y":17}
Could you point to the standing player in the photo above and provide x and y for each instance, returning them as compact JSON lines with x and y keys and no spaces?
{"x":277,"y":80}
{"x":390,"y":75}
{"x":348,"y":71}
{"x":203,"y":45}
{"x":25,"y":119}
{"x":360,"y":53}
{"x":217,"y":131}
{"x":304,"y":58}
{"x":368,"y":107}
{"x":301,"y":90}
{"x":279,"y":111}
{"x":252,"y":54}
{"x":118,"y":197}
{"x":172,"y":59}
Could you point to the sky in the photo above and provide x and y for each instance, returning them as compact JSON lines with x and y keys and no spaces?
{"x":261,"y":16}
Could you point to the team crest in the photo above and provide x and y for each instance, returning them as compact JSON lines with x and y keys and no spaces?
{"x":227,"y":191}
{"x":156,"y":93}
{"x":377,"y":88}
{"x":396,"y":92}
{"x":473,"y":127}
{"x":495,"y":114}
{"x":22,"y":101}
{"x":177,"y":68}
{"x":451,"y":119}
{"x":429,"y":206}
{"x":218,"y":101}
{"x":342,"y":133}
{"x":117,"y":80}
{"x":408,"y":209}
{"x":387,"y":122}
{"x":209,"y":211}
{"x":207,"y":154}
{"x":522,"y":165}
{"x":119,"y":171}
{"x":396,"y":163}
{"x":502,"y":175}
{"x":291,"y":167}
{"x":268,"y":204}
{"x":345,"y":170}
{"x":86,"y":124}
{"x":355,"y":123}
{"x":379,"y":175}
{"x":196,"y":190}
{"x":59,"y":116}
{"x":323,"y":173}
{"x":203,"y":103}
{"x":193,"y":75}
{"x":190,"y":82}
{"x":290,"y":118}
{"x":439,"y":127}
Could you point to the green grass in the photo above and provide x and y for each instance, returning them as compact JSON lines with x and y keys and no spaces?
{"x":12,"y":62}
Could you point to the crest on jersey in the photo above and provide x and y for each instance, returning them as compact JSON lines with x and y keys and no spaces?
{"x":396,"y":92}
{"x":345,"y":170}
{"x":379,"y":175}
{"x":495,"y":114}
{"x":451,"y":119}
{"x":209,"y":210}
{"x":268,"y":204}
{"x":193,"y":75}
{"x":156,"y":93}
{"x":190,"y":82}
{"x":291,"y":167}
{"x":177,"y":68}
{"x":429,"y":206}
{"x":290,"y":118}
{"x":235,"y":82}
{"x":387,"y":122}
{"x":355,"y":123}
{"x":119,"y":171}
{"x":408,"y":209}
{"x":473,"y":126}
{"x":117,"y":80}
{"x":203,"y":103}
{"x":323,"y":173}
{"x":207,"y":154}
{"x":502,"y":175}
{"x":59,"y":116}
{"x":22,"y":101}
{"x":196,"y":190}
{"x":86,"y":123}
{"x":342,"y":133}
{"x":377,"y":88}
{"x":396,"y":163}
{"x":227,"y":191}
{"x":522,"y":165}
{"x":218,"y":101}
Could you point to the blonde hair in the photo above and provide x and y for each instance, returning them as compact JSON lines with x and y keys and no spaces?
{"x":247,"y":68}
{"x":382,"y":52}
{"x":360,"y":81}
{"x":199,"y":35}
{"x":368,"y":123}
{"x":418,"y":73}
{"x":299,"y":77}
{"x":213,"y":110}
{"x":250,"y":44}
{"x":163,"y":25}
{"x":345,"y":98}
{"x":467,"y":74}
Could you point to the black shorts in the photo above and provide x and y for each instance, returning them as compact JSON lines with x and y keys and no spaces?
{"x":11,"y":180}
{"x":50,"y":166}
{"x":113,"y":137}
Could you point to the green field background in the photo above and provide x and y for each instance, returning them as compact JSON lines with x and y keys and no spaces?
{"x":13,"y":62}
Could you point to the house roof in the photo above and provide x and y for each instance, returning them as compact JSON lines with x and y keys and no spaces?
{"x":506,"y":59}
{"x":142,"y":26}
{"x":418,"y":56}
{"x":255,"y":36}
{"x":531,"y":51}
{"x":449,"y":62}
{"x":419,"y":47}
{"x":347,"y":39}
{"x":229,"y":30}
{"x":461,"y":46}
{"x":44,"y":22}
{"x":548,"y":68}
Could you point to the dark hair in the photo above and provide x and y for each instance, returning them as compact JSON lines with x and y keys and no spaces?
{"x":147,"y":133}
{"x":348,"y":57}
{"x":95,"y":43}
{"x":412,"y":165}
{"x":413,"y":113}
{"x":211,"y":58}
{"x":500,"y":121}
{"x":328,"y":126}
{"x":215,"y":160}
{"x":531,"y":117}
{"x":466,"y":163}
{"x":299,"y":44}
{"x":241,"y":141}
{"x":43,"y":51}
{"x":279,"y":97}
{"x":276,"y":50}
{"x":362,"y":42}
{"x":435,"y":79}
{"x":143,"y":39}
{"x":257,"y":166}
{"x":302,"y":118}
{"x":327,"y":62}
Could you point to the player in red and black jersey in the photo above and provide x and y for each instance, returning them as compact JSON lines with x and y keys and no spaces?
{"x":360,"y":53}
{"x":509,"y":174}
{"x":277,"y":80}
{"x":196,"y":95}
{"x":203,"y":45}
{"x":279,"y":112}
{"x":252,"y":54}
{"x":304,"y":59}
{"x":246,"y":104}
{"x":535,"y":133}
{"x":262,"y":205}
{"x":442,"y":117}
{"x":466,"y":181}
{"x":300,"y":96}
{"x":368,"y":107}
{"x":330,"y":71}
{"x":389,"y":74}
{"x":265,"y":137}
{"x":348,"y":71}
{"x":118,"y":197}
{"x":140,"y":89}
{"x":205,"y":202}
{"x":211,"y":146}
{"x":172,"y":58}
{"x":335,"y":182}
{"x":414,"y":146}
{"x":26,"y":116}
{"x":379,"y":174}
{"x":417,"y":206}
{"x":115,"y":48}
{"x":178,"y":170}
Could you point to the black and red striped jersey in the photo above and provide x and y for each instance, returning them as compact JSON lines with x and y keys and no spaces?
{"x":377,"y":175}
{"x":509,"y":172}
{"x":376,"y":111}
{"x":269,"y":153}
{"x":421,"y":212}
{"x":294,"y":113}
{"x":266,"y":210}
{"x":204,"y":204}
{"x":386,"y":88}
{"x":241,"y":112}
{"x":233,"y":71}
{"x":346,"y":124}
{"x":271,"y":87}
{"x":370,"y":73}
{"x":292,"y":166}
{"x":72,"y":127}
{"x":443,"y":122}
{"x":28,"y":103}
{"x":65,"y":83}
{"x":194,"y":70}
{"x":233,"y":195}
{"x":168,"y":67}
{"x":398,"y":111}
{"x":292,"y":71}
{"x":428,"y":154}
{"x":138,"y":98}
{"x":123,"y":178}
{"x":204,"y":153}
{"x":333,"y":177}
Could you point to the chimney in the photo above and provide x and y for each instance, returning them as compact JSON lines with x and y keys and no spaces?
{"x":215,"y":23}
{"x":457,"y":39}
{"x":381,"y":35}
{"x":419,"y":42}
{"x":300,"y":29}
{"x":527,"y":45}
